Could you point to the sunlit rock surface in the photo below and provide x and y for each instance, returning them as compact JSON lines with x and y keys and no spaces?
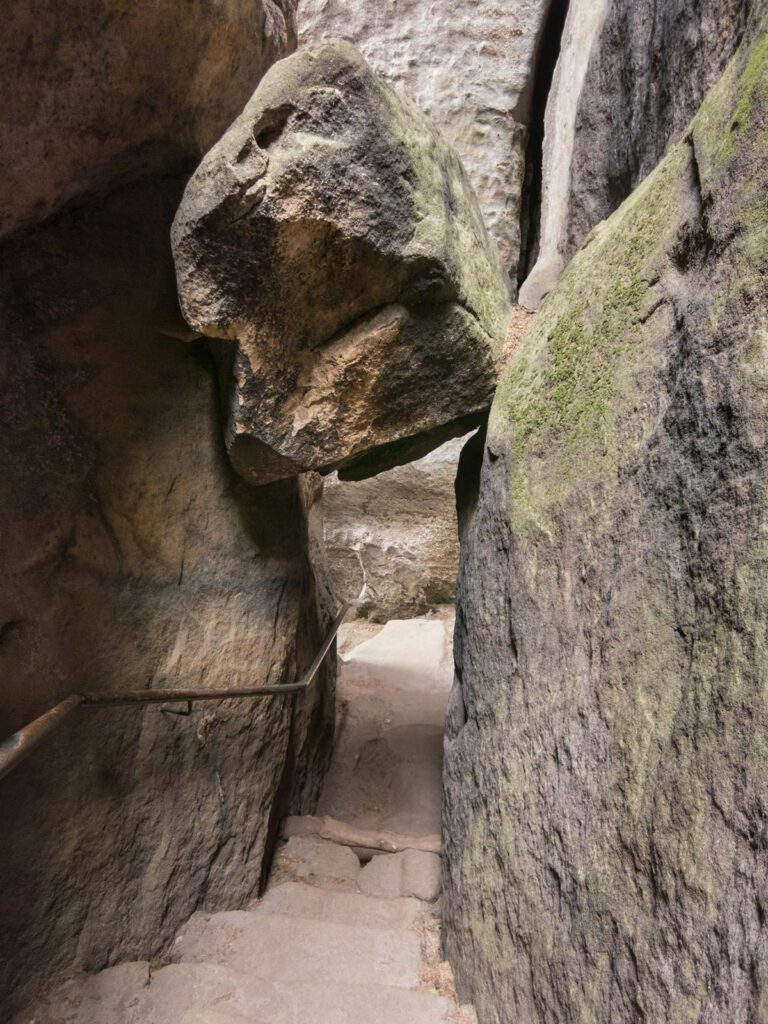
{"x":391,"y":542}
{"x":469,"y":64}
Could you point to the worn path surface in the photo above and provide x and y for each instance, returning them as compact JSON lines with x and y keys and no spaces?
{"x":342,"y":936}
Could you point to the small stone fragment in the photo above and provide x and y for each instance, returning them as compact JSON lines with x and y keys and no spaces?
{"x":314,"y":859}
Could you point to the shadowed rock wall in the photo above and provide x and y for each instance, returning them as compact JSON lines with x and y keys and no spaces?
{"x":606,"y":803}
{"x":132,"y":555}
{"x":100,"y":91}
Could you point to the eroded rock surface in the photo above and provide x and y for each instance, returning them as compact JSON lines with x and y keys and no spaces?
{"x":132,"y":555}
{"x":605,"y":786}
{"x":469,"y":64}
{"x":334,"y":235}
{"x":391,"y":542}
{"x":99,"y":91}
{"x":631,"y":75}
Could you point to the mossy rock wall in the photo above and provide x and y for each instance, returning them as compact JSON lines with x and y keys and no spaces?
{"x":606,"y":797}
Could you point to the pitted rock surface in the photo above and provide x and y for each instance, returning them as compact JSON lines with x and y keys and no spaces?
{"x":334,"y":235}
{"x":391,"y":542}
{"x":470,"y":65}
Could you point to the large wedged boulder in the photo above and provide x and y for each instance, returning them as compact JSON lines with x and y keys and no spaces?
{"x":333,"y":234}
{"x":606,"y":799}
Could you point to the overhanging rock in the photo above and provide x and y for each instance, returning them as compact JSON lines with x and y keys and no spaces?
{"x":333,"y":234}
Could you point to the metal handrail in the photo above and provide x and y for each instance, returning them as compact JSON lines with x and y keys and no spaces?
{"x":17,"y":747}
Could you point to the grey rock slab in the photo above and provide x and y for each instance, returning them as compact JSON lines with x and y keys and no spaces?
{"x":291,"y":949}
{"x":410,"y":873}
{"x":207,"y":988}
{"x":293,"y":899}
{"x":317,"y":860}
{"x":334,"y":235}
{"x":366,"y":1004}
{"x":217,"y":1017}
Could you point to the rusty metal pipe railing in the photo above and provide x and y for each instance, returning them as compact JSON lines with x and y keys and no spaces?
{"x":17,"y":747}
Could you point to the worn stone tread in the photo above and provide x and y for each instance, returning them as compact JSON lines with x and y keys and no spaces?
{"x":301,"y":949}
{"x":203,"y":993}
{"x":295,"y":899}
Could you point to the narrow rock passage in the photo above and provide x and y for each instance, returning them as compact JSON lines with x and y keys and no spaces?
{"x":343,"y":935}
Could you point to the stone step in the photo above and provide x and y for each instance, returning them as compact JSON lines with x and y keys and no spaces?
{"x":216,"y":994}
{"x":301,"y":949}
{"x":295,"y":899}
{"x":198,"y":988}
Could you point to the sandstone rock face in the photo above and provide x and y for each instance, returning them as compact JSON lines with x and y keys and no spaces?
{"x":391,"y":542}
{"x":334,"y":235}
{"x":98,"y":91}
{"x":469,"y":64}
{"x":132,"y":555}
{"x":583,"y":24}
{"x":605,"y":788}
{"x":631,"y":75}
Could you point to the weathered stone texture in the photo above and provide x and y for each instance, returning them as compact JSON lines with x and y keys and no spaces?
{"x":99,"y":91}
{"x":469,"y":64}
{"x":631,"y":76}
{"x":335,"y":236}
{"x":133,"y":556}
{"x":606,"y":797}
{"x":391,"y":542}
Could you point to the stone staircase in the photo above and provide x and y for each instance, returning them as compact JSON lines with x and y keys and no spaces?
{"x":333,"y":941}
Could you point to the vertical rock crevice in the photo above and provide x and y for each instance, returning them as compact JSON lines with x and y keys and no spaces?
{"x":531,"y":199}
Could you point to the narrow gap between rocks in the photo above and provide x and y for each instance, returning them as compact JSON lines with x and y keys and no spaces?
{"x":530,"y":210}
{"x":392,"y":547}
